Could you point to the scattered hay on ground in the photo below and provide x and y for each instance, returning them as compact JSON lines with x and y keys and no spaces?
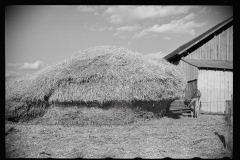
{"x":176,"y":138}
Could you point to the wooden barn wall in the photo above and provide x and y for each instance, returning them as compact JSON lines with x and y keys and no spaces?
{"x":216,"y":87}
{"x":191,"y":72}
{"x":218,"y":48}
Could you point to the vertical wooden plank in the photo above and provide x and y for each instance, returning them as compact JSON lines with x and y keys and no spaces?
{"x":224,"y":86}
{"x":223,"y":43}
{"x":210,"y":89}
{"x":219,"y":46}
{"x":231,"y":82}
{"x":204,"y":78}
{"x":208,"y":54}
{"x":215,"y":47}
{"x":222,"y":54}
{"x":214,"y":89}
{"x":228,"y":87}
{"x":211,"y":49}
{"x":205,"y":51}
{"x":205,"y":48}
{"x":231,"y":44}
{"x":194,"y":55}
{"x":217,"y":43}
{"x":207,"y":102}
{"x":222,"y":90}
{"x":227,"y":45}
{"x":217,"y":89}
{"x":201,"y":86}
{"x":198,"y":53}
{"x":212,"y":53}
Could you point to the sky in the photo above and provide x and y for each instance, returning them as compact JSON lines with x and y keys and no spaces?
{"x":37,"y":36}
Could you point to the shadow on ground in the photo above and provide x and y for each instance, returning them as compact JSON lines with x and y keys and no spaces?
{"x":174,"y":115}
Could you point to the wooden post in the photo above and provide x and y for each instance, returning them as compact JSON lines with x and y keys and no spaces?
{"x":229,"y":122}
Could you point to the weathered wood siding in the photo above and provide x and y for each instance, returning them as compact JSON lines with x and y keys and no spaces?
{"x":216,"y":87}
{"x":218,"y":48}
{"x":191,"y":72}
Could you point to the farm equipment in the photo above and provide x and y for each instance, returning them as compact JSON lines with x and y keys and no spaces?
{"x":192,"y":105}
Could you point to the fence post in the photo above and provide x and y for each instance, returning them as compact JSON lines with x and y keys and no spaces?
{"x":229,"y":124}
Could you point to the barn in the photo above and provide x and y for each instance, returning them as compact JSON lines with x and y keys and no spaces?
{"x":207,"y":62}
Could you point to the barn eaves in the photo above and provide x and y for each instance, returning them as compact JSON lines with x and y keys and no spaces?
{"x":210,"y":64}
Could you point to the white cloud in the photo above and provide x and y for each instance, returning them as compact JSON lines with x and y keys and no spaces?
{"x":119,"y":14}
{"x":92,"y":27}
{"x":87,"y":8}
{"x":11,"y":74}
{"x":90,"y":8}
{"x":204,"y":10}
{"x":168,"y":38}
{"x":129,"y":43}
{"x":180,"y":26}
{"x":123,"y":37}
{"x":126,"y":29}
{"x":14,"y":65}
{"x":32,"y":66}
{"x":102,"y":28}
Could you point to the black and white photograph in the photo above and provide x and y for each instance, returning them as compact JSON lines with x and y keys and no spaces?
{"x":119,"y":81}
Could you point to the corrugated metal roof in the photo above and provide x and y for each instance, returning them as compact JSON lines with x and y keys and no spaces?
{"x":215,"y":64}
{"x":196,"y":40}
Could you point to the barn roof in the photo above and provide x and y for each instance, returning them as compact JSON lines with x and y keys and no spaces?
{"x":198,"y":39}
{"x":214,"y":64}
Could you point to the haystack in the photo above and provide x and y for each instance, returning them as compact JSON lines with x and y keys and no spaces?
{"x":99,"y":75}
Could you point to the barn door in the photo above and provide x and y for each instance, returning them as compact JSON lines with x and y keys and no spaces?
{"x":190,"y":89}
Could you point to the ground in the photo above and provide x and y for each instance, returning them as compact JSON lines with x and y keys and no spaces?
{"x":182,"y":137}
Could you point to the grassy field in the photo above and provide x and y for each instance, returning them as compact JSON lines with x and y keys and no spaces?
{"x":182,"y":137}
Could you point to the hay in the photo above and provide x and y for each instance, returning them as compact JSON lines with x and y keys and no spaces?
{"x":101,"y":74}
{"x":111,"y":114}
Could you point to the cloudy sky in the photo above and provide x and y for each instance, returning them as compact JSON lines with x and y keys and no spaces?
{"x":38,"y":36}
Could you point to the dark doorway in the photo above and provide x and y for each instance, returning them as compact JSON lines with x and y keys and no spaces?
{"x":191,"y":86}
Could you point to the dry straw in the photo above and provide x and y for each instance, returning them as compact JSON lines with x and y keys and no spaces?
{"x":101,"y":74}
